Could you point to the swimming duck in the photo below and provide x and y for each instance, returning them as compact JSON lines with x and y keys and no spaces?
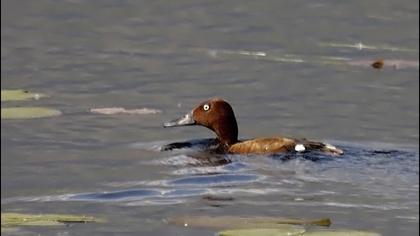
{"x":217,"y":115}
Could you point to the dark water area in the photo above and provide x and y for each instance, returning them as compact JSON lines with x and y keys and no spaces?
{"x":293,"y":68}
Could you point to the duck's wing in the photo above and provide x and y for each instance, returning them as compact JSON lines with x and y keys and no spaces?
{"x":281,"y":144}
{"x":263,"y":146}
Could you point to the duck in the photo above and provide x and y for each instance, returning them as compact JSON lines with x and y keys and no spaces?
{"x":217,"y":115}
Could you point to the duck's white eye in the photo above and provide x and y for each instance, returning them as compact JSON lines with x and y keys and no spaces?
{"x":206,"y":107}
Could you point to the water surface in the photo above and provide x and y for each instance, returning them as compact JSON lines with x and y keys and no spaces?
{"x":271,"y":60}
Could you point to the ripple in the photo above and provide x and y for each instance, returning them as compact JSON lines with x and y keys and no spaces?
{"x":381,"y":179}
{"x":178,"y":160}
{"x":233,"y":167}
{"x":116,"y":195}
{"x":216,"y":180}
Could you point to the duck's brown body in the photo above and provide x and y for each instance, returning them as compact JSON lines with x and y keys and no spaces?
{"x":263,"y":146}
{"x":217,"y":115}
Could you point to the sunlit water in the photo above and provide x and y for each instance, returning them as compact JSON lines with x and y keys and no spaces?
{"x":280,"y":65}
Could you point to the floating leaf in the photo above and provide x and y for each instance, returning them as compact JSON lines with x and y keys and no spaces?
{"x":385,"y":63}
{"x":17,"y":219}
{"x":286,"y":231}
{"x":341,"y":233}
{"x":28,"y":112}
{"x":378,"y":64}
{"x":19,"y":94}
{"x":121,"y":110}
{"x":225,"y":222}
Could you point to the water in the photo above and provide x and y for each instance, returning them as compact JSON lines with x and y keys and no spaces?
{"x":170,"y":56}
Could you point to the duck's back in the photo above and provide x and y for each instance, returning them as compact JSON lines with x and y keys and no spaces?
{"x":263,"y":146}
{"x":281,"y":144}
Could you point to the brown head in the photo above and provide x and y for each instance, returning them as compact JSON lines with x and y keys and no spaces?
{"x":215,"y":114}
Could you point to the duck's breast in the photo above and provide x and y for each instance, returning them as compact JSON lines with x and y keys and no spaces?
{"x":263,"y":146}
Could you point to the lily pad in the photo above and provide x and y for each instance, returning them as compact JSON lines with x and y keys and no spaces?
{"x":226,"y":222}
{"x":287,"y":230}
{"x":19,"y":95}
{"x":17,"y":219}
{"x":28,"y":112}
{"x":341,"y":233}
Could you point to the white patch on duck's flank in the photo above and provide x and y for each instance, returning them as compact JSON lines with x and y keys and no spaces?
{"x":333,"y":148}
{"x":300,"y":148}
{"x":329,"y":146}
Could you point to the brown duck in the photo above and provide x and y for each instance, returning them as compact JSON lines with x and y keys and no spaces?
{"x":217,"y":115}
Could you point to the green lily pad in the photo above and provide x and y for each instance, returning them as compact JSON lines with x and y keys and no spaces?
{"x":341,"y":233}
{"x":28,"y":112}
{"x":17,"y":219}
{"x":19,"y":95}
{"x":237,"y":222}
{"x":287,"y":230}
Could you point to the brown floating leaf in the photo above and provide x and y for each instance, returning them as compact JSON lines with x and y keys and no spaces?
{"x":385,"y":63}
{"x":341,"y":233}
{"x":290,"y":232}
{"x":121,"y":110}
{"x":378,"y":64}
{"x":285,"y":230}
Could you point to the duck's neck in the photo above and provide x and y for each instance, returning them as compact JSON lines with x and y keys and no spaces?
{"x":227,"y":133}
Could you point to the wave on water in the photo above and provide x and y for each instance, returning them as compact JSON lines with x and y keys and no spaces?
{"x":378,"y":178}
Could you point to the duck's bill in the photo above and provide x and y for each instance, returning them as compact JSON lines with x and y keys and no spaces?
{"x":187,"y":119}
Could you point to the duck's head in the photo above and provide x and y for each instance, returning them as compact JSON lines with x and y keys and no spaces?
{"x":215,"y":114}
